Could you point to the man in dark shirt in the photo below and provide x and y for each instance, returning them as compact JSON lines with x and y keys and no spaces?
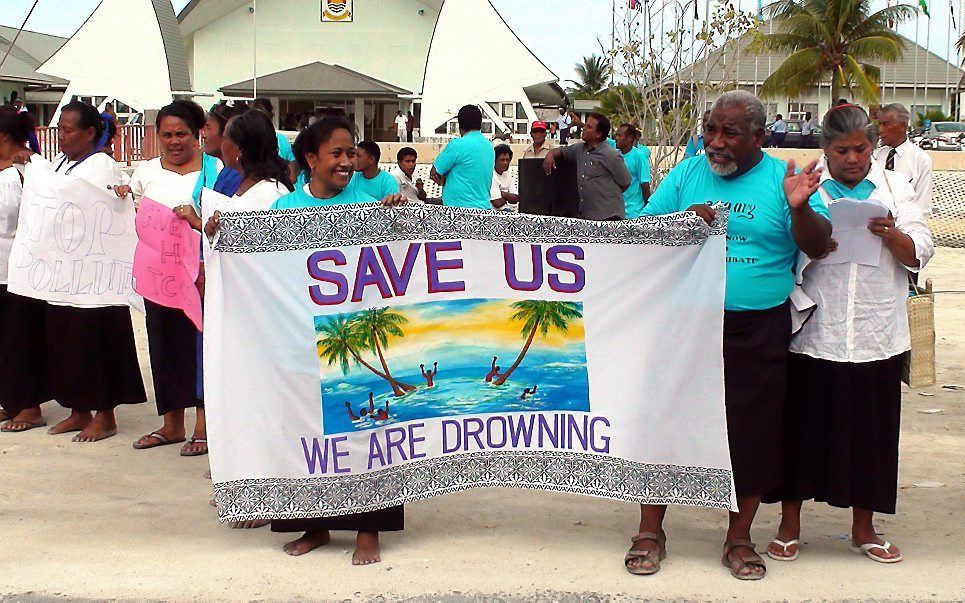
{"x":600,"y":169}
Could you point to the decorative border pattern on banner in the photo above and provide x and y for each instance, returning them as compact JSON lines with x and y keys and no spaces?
{"x":367,"y":224}
{"x":579,"y":473}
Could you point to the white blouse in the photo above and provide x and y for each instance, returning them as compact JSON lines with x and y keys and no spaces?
{"x":167,"y":187}
{"x":99,"y":169}
{"x":259,"y":197}
{"x":861,"y":313}
{"x":11,"y":188}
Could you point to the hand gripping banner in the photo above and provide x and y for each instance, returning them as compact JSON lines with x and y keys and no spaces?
{"x":358,"y":357}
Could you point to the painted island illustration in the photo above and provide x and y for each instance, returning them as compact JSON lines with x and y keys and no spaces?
{"x":474,"y":356}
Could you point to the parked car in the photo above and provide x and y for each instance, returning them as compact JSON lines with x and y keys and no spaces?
{"x":793,"y":138}
{"x":943,"y":136}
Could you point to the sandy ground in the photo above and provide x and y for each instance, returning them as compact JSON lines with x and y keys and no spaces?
{"x":105,"y":521}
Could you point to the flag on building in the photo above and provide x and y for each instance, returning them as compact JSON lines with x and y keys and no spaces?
{"x":924,"y":7}
{"x":636,"y":5}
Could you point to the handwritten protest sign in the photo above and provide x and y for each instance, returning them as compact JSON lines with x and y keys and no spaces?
{"x":414,"y":351}
{"x":167,"y":259}
{"x":74,"y":243}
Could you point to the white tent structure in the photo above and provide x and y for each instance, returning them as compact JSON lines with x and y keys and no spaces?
{"x":461,"y":69}
{"x":146,"y":63}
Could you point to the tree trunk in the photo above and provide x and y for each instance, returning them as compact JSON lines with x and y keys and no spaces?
{"x":529,"y":341}
{"x":398,"y":388}
{"x":367,"y":365}
{"x":835,"y":86}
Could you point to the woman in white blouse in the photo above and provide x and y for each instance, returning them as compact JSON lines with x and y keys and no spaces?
{"x":85,"y":358}
{"x":250,"y":147}
{"x":844,"y":378}
{"x":172,"y":338}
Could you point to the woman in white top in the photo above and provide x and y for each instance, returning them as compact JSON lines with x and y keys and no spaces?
{"x":172,"y":338}
{"x":20,"y":395}
{"x":844,"y":373}
{"x":88,"y":360}
{"x":250,"y":147}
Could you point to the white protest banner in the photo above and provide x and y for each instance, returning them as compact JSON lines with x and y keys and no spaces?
{"x":74,"y":244}
{"x":359,"y":357}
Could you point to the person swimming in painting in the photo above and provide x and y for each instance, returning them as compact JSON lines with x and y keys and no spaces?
{"x":528,"y":392}
{"x":493,"y":372}
{"x":380,"y":414}
{"x":430,"y":374}
{"x":351,"y":415}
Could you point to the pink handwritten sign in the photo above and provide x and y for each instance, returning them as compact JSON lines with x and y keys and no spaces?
{"x":167,"y":259}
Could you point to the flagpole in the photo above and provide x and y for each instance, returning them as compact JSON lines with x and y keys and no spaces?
{"x":927,"y":61}
{"x":254,"y":49}
{"x":613,"y":38}
{"x":917,"y":48}
{"x":948,"y":55}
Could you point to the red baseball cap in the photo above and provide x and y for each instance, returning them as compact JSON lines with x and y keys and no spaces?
{"x":539,"y":125}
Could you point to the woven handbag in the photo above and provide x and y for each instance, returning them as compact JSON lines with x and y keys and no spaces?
{"x":919,"y":367}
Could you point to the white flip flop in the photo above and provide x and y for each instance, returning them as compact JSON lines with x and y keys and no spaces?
{"x":865,"y":549}
{"x":784,"y":546}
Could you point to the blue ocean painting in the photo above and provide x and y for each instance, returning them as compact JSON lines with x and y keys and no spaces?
{"x":370,"y":361}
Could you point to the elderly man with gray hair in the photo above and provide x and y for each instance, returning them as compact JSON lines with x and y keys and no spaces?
{"x":900,"y":155}
{"x":772,"y":216}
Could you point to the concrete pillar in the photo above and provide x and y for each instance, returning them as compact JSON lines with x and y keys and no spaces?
{"x":360,"y":117}
{"x":276,"y":103}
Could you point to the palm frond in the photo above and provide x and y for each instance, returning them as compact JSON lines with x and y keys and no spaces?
{"x":882,"y":48}
{"x":860,"y":82}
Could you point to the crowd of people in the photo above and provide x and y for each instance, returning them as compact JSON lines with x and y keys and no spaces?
{"x":811,"y":415}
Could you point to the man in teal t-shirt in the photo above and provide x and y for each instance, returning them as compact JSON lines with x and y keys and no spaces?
{"x":368,"y":177}
{"x":464,"y":169}
{"x":771,"y":217}
{"x":638,"y":165}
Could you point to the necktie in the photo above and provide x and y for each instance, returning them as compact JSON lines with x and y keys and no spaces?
{"x":890,"y":161}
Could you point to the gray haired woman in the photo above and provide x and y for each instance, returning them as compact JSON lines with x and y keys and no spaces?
{"x":844,"y":373}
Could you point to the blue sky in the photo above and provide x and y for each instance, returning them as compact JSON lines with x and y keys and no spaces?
{"x":559,"y":32}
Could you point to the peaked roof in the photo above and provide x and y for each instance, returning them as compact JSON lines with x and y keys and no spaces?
{"x":143,"y":74}
{"x":738,"y":62}
{"x":31,"y":50}
{"x":460,"y":69}
{"x":315,"y":79}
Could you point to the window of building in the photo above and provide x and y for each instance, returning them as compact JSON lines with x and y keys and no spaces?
{"x":799,"y":110}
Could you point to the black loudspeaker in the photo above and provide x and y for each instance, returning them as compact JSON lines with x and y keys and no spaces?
{"x":553,"y":195}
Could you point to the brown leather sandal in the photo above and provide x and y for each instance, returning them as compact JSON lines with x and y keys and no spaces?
{"x":745,"y":561}
{"x":646,"y":554}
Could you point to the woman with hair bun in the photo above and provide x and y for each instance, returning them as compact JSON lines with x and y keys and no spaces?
{"x":85,"y":358}
{"x":172,"y":338}
{"x":843,"y":404}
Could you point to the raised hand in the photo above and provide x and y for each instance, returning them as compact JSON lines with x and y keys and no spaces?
{"x":799,"y":186}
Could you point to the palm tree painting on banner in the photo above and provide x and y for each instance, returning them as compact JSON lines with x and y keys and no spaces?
{"x":465,"y":355}
{"x":843,"y":40}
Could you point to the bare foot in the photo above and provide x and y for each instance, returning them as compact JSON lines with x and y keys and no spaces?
{"x":366,"y":549}
{"x":102,"y":427}
{"x":249,"y":525}
{"x":29,"y":418}
{"x":77,"y":421}
{"x":309,"y":542}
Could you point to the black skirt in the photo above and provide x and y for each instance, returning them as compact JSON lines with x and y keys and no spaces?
{"x":755,"y":372}
{"x":841,"y":428}
{"x":383,"y":520}
{"x":22,"y":352}
{"x":172,"y":340}
{"x":90,"y":358}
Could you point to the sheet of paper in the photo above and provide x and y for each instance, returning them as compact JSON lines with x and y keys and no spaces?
{"x":856,"y":243}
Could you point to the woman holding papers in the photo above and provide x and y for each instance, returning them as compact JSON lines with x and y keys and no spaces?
{"x":172,"y":337}
{"x":20,"y":395}
{"x":83,"y":357}
{"x":844,"y":395}
{"x":326,"y":152}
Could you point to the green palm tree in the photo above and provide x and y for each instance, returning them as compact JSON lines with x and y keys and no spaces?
{"x":375,"y":327}
{"x":338,"y":341}
{"x":540,"y":316}
{"x":593,"y":74}
{"x":836,"y":38}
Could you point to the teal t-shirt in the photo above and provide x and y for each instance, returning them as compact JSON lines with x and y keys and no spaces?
{"x":645,"y":172}
{"x":302,"y":197}
{"x":380,"y":187}
{"x":467,"y":163}
{"x":633,"y":196}
{"x":836,"y":190}
{"x":285,"y":148}
{"x":761,"y":251}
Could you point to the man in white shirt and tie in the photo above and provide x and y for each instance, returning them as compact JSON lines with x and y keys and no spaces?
{"x":899,"y":154}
